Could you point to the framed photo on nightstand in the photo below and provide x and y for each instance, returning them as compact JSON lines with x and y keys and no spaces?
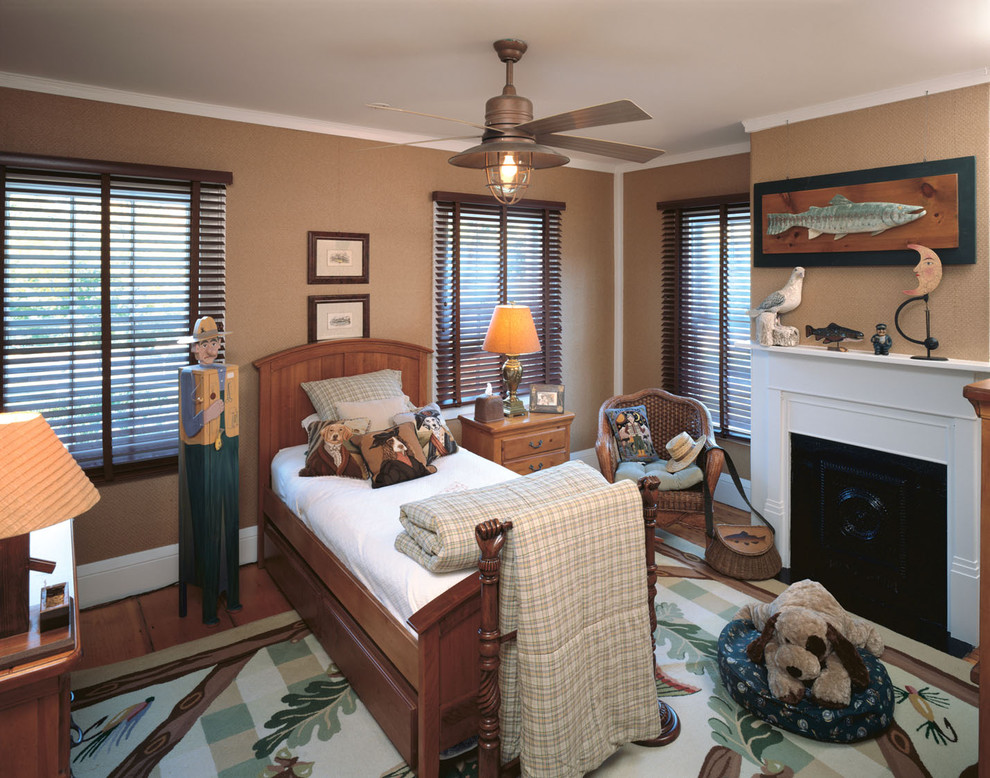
{"x":546,"y":398}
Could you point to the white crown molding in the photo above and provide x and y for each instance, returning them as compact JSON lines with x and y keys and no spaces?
{"x":945,"y":84}
{"x":687,"y":156}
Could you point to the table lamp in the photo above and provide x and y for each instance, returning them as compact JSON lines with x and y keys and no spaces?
{"x":40,"y":485}
{"x":512,"y":332}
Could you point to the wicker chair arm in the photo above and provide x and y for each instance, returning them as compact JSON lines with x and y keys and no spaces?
{"x":714,"y":459}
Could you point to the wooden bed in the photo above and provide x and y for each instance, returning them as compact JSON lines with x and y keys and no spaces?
{"x":422,"y":689}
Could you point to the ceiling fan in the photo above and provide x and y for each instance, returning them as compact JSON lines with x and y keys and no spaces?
{"x":513,"y":144}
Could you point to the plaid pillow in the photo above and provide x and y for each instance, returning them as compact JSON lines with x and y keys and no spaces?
{"x":326,"y":394}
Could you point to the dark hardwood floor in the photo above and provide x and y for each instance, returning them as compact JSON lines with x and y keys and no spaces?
{"x":150,"y":622}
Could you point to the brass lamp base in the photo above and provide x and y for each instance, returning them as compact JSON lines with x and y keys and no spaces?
{"x":512,"y":375}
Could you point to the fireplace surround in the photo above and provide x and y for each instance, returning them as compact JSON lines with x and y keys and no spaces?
{"x":894,"y":404}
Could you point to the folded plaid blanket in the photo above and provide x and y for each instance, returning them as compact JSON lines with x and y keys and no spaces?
{"x":438,"y":532}
{"x":578,"y":682}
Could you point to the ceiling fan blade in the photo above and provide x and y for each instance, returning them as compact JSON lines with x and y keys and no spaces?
{"x":384,"y":107}
{"x":419,"y":142}
{"x":604,"y":148}
{"x":615,"y":112}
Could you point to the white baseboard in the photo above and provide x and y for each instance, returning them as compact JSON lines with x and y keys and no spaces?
{"x":727,"y":493}
{"x":145,"y":571}
{"x":588,"y":456}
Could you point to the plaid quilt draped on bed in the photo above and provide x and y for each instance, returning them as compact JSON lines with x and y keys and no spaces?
{"x":438,"y":532}
{"x":578,"y":682}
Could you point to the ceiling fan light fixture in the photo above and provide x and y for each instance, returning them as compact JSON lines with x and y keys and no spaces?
{"x":508,"y":175}
{"x":508,"y":164}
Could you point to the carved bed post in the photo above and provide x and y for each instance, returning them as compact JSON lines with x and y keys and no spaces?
{"x":649,"y":490}
{"x":490,"y":536}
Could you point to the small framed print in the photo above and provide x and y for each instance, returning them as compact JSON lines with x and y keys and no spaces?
{"x":338,"y":258}
{"x":546,"y":398}
{"x":332,"y":317}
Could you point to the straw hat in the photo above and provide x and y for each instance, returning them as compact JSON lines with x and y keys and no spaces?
{"x":204,"y":329}
{"x":683,"y":451}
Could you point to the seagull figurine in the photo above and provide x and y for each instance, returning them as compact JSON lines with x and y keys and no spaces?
{"x":783,"y":300}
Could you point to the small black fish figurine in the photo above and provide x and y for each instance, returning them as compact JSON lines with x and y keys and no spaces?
{"x":833,"y":335}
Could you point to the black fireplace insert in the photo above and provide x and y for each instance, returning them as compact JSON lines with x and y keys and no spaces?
{"x":871,"y":527}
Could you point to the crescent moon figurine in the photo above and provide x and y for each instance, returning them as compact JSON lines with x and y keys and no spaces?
{"x":928,"y":271}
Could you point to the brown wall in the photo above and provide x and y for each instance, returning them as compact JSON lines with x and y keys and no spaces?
{"x":641,"y":280}
{"x":287,"y":183}
{"x":939,"y":126}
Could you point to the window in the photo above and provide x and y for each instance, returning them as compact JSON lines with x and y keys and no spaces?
{"x":705,"y":256}
{"x":105,"y":267}
{"x":487,"y":254}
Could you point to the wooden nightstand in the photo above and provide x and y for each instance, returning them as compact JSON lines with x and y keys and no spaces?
{"x":34,"y":681}
{"x":521,"y":443}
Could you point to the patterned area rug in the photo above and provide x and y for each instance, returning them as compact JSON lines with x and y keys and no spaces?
{"x":265,"y":700}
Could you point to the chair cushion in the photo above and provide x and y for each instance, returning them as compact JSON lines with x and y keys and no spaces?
{"x":682,"y":479}
{"x":631,"y":433}
{"x":869,"y":712}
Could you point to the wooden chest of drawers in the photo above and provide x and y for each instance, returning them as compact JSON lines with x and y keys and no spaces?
{"x":525,"y":444}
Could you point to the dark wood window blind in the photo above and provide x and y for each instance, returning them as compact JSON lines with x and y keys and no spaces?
{"x":487,"y":254}
{"x":705,"y":266}
{"x":105,"y":267}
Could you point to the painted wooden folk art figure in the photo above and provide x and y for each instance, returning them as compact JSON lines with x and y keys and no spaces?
{"x":208,"y":474}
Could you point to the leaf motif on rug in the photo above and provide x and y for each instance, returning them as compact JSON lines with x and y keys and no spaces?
{"x":687,"y":641}
{"x":742,"y":732}
{"x":317,"y":710}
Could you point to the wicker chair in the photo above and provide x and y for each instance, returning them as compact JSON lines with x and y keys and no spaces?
{"x":669,"y":415}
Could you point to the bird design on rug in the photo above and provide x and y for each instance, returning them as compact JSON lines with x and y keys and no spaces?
{"x":118,"y":728}
{"x":785,"y":299}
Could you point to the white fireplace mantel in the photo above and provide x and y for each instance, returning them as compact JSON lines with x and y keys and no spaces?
{"x":892,"y":403}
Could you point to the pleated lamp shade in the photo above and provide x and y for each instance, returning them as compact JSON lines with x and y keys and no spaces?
{"x":40,"y":483}
{"x":512,"y":331}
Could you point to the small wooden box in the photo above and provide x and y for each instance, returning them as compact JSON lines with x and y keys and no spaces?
{"x":488,"y":407}
{"x":55,"y":606}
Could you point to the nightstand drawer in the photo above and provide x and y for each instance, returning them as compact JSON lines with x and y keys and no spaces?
{"x":536,"y":443}
{"x":535,"y":464}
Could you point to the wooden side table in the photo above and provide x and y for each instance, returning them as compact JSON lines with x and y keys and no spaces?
{"x":525,"y":444}
{"x":34,"y":671}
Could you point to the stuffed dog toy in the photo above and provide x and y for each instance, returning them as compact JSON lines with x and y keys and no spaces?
{"x":808,"y":639}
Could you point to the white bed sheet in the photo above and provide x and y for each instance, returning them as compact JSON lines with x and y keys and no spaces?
{"x":359,"y":524}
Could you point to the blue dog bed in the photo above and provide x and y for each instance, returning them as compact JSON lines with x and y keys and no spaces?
{"x":868,"y":714}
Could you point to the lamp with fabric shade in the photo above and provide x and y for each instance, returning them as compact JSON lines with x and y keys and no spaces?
{"x":40,"y":485}
{"x":512,"y":332}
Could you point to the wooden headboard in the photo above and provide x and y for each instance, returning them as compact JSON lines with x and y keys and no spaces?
{"x":283,"y":404}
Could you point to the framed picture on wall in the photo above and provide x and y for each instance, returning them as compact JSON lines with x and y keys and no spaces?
{"x":546,"y":398}
{"x":338,"y":258}
{"x":332,"y":317}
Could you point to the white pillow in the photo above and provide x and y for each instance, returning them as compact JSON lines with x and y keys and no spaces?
{"x":309,"y":420}
{"x":379,"y":411}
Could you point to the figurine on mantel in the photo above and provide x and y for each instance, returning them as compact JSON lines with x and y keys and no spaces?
{"x":833,"y":334}
{"x":882,"y":342}
{"x":769,"y":330}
